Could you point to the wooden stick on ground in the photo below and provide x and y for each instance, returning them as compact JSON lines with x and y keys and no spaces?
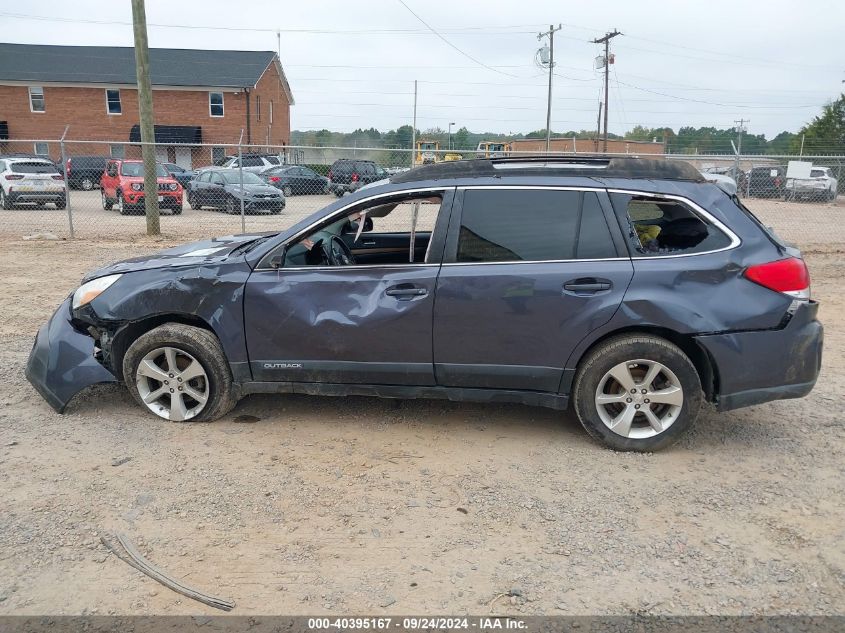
{"x":130,"y":555}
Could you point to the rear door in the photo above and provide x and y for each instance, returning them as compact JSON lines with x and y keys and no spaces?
{"x":527,"y":274}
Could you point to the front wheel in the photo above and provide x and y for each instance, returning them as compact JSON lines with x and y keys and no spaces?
{"x":179,"y":373}
{"x":107,"y":204}
{"x":637,"y":393}
{"x":287,"y":190}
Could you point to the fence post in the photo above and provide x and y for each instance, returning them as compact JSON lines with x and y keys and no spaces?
{"x":67,"y":182}
{"x":241,"y":175}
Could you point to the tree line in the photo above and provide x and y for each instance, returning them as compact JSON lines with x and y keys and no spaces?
{"x":825,"y":134}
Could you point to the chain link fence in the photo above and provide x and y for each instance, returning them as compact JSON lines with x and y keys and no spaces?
{"x":223,"y":188}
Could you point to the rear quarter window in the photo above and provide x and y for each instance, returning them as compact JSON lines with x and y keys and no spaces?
{"x":661,"y":226}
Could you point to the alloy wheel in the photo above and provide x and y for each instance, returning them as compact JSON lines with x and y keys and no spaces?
{"x":639,"y":398}
{"x":87,"y":184}
{"x":172,"y":384}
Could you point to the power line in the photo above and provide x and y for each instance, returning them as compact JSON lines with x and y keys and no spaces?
{"x":465,"y":54}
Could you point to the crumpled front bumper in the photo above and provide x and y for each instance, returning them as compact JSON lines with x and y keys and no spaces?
{"x":62,"y":361}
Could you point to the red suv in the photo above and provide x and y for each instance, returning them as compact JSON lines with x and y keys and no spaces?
{"x":122,"y":186}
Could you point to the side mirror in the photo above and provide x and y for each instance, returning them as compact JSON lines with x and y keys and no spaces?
{"x":352,"y":227}
{"x":277,"y":261}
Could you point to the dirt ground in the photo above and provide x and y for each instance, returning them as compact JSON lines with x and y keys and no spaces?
{"x":305,"y":505}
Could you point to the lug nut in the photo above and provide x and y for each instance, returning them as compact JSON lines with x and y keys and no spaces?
{"x":633,"y":391}
{"x":636,"y":406}
{"x":166,"y":382}
{"x":646,"y":400}
{"x":627,"y":400}
{"x":180,"y":388}
{"x":171,"y":391}
{"x":171,"y":375}
{"x":644,"y":391}
{"x":179,"y":379}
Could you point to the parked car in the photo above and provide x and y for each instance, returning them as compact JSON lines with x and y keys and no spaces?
{"x":521,"y":281}
{"x":84,"y":172}
{"x":33,"y":181}
{"x":221,"y":189}
{"x":348,"y":175}
{"x":821,"y":185}
{"x":122,"y":187}
{"x":252,"y":162}
{"x":179,"y":174}
{"x":766,"y":182}
{"x":294,"y":179}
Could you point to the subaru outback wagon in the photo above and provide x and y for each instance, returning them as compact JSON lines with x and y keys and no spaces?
{"x":627,"y":288}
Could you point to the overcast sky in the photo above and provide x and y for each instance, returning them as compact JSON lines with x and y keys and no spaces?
{"x":353,"y":65}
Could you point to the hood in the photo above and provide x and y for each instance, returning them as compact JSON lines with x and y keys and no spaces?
{"x":196,"y":253}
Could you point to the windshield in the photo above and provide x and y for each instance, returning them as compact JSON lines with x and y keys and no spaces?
{"x":817,"y":173}
{"x":137,"y":170}
{"x":234,"y":178}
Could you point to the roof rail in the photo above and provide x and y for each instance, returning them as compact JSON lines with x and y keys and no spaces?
{"x":587,"y":165}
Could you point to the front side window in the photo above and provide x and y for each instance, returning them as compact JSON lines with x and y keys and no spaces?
{"x":42,"y":149}
{"x":218,"y":155}
{"x":513,"y":225}
{"x":215,"y":103}
{"x":252,"y":161}
{"x":36,"y":99}
{"x":387,"y":231}
{"x":661,"y":226}
{"x":113,"y":105}
{"x":117,"y":151}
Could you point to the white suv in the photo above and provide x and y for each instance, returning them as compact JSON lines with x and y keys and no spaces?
{"x":821,"y":185}
{"x":253,"y":162}
{"x":31,"y":181}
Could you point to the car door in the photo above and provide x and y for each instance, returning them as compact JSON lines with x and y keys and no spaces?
{"x":108,"y":180}
{"x":364,"y":324}
{"x":215,"y":191}
{"x":527,"y":274}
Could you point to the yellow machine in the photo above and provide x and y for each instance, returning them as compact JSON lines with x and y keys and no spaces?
{"x":492,"y":149}
{"x":426,"y":152}
{"x":452,"y":156}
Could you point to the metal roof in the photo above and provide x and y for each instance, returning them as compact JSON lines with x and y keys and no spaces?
{"x":556,"y":166}
{"x":116,"y":65}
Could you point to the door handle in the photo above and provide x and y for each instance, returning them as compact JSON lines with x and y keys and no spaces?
{"x":368,"y":243}
{"x":586,"y":286}
{"x":405,"y":293}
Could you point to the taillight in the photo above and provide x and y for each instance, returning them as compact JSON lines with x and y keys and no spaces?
{"x":14,"y":177}
{"x":789,"y":276}
{"x":274,"y":179}
{"x":330,"y":174}
{"x":67,"y":167}
{"x":354,"y":177}
{"x":777,"y":182}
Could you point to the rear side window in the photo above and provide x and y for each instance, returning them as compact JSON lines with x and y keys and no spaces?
{"x":273,"y":160}
{"x":502,"y":225}
{"x":253,"y":161}
{"x":659,"y":226}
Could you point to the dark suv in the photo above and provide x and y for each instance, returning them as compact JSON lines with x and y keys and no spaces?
{"x":346,"y":175}
{"x":766,"y":182}
{"x":84,"y":172}
{"x":627,"y":288}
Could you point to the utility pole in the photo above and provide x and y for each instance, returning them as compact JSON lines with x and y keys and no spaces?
{"x":740,"y":128}
{"x":551,"y":35}
{"x":606,"y":41}
{"x":414,"y":129}
{"x":598,"y":127}
{"x":145,"y":106}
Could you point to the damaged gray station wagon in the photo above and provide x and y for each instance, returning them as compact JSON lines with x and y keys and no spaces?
{"x":627,"y":288}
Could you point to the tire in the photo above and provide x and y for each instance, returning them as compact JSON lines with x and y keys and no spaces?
{"x":230,"y":206}
{"x":593,"y":379}
{"x":107,"y":204}
{"x":326,"y":187}
{"x":61,"y":204}
{"x":86,"y":184}
{"x":193,"y":203}
{"x":189,"y":344}
{"x":4,"y":200}
{"x":287,"y":190}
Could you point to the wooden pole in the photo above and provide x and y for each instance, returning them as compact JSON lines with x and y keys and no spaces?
{"x":145,"y":105}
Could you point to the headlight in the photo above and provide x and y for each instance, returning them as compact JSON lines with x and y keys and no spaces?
{"x":137,"y":186}
{"x":173,"y":186}
{"x":89,"y":291}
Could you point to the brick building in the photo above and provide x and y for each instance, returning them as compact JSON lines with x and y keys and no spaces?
{"x":199,"y":96}
{"x":587,"y":146}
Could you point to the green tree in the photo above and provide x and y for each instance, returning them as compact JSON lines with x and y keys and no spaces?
{"x":825,"y":134}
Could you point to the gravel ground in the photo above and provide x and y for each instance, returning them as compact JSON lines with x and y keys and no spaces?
{"x":305,"y":505}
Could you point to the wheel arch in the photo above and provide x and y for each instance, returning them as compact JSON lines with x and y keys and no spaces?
{"x":129,"y":332}
{"x":706,"y":367}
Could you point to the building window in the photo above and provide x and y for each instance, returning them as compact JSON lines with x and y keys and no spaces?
{"x":36,"y":99}
{"x":113,"y":102}
{"x":42,"y":149}
{"x":218,"y":155}
{"x":258,"y":107}
{"x":271,"y":112}
{"x":215,"y":103}
{"x":117,"y":151}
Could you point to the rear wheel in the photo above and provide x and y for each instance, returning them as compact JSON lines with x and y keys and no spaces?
{"x":287,"y":190}
{"x":179,"y":373}
{"x":192,"y":202}
{"x":637,"y":393}
{"x":87,"y":184}
{"x":61,"y":203}
{"x":230,"y":206}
